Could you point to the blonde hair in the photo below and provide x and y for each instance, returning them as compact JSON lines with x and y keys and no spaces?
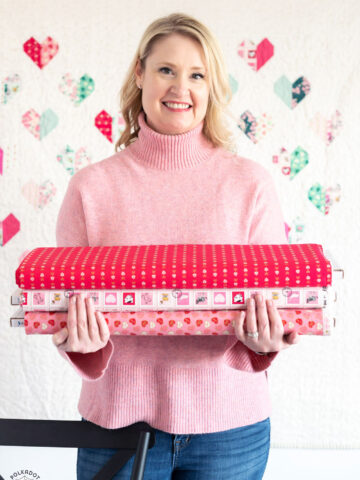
{"x":220,"y":93}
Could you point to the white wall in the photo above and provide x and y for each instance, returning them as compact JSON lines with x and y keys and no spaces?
{"x":315,"y":385}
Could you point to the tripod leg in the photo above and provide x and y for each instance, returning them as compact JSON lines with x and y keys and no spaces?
{"x":111,"y":468}
{"x":140,"y":457}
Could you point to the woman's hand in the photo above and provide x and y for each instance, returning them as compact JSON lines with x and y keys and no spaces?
{"x":267,"y":321}
{"x":86,"y":331}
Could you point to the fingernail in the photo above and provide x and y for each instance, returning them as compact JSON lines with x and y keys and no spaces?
{"x":260,"y":297}
{"x":270,"y":303}
{"x":73,"y":299}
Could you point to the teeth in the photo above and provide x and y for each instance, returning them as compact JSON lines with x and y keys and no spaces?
{"x":177,"y":105}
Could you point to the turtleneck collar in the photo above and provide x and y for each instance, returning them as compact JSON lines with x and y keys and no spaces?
{"x":170,"y":152}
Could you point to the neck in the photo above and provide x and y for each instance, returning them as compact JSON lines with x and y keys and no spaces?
{"x":170,"y":152}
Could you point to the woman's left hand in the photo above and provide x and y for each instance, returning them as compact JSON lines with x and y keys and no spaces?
{"x":267,"y":321}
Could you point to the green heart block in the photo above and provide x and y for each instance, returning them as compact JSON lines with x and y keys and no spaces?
{"x":317,"y":196}
{"x":85,"y":87}
{"x":48,"y":121}
{"x":299,"y":160}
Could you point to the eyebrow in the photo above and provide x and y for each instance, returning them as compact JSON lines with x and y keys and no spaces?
{"x":172,"y":65}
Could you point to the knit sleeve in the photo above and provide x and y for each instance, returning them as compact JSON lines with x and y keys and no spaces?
{"x":267,"y":227}
{"x":71,"y":232}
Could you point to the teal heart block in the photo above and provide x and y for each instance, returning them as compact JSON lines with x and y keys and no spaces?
{"x":85,"y":87}
{"x":299,"y":160}
{"x":292,"y":94}
{"x":48,"y":122}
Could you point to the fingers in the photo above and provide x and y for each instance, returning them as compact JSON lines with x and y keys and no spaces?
{"x":82,"y":322}
{"x":92,"y":324}
{"x":262,"y":316}
{"x":103,"y":327}
{"x":60,"y":337}
{"x":239,"y":326}
{"x":276,"y":325}
{"x":72,"y":320}
{"x":251,"y":323}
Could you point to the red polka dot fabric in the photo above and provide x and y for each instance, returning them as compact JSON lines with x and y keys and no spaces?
{"x":175,"y":266}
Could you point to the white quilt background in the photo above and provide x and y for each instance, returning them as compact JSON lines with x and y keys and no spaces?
{"x":315,"y":385}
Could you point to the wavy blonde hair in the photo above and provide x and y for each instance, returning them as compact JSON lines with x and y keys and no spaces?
{"x":220,"y":93}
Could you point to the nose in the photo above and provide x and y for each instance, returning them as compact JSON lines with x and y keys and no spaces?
{"x":180,"y":85}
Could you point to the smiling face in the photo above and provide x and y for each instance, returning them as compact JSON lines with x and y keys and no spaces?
{"x":179,"y":82}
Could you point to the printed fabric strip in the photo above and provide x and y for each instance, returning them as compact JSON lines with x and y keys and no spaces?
{"x":208,"y":322}
{"x":175,"y":267}
{"x":176,"y":299}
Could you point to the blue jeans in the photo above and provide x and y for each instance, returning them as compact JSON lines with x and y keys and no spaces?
{"x":240,"y":453}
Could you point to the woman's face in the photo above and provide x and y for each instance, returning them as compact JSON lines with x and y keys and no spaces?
{"x":176,"y":83}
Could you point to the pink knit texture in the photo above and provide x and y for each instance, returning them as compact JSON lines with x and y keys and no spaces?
{"x":167,"y":189}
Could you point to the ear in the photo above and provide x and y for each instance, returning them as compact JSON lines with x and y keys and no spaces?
{"x":138,"y":72}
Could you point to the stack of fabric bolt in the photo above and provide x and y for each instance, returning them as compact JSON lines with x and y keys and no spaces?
{"x":184,"y":289}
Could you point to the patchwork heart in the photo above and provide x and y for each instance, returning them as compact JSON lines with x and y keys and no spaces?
{"x":292,"y":94}
{"x":39,"y":195}
{"x":41,"y":53}
{"x":110,"y":127}
{"x":323,"y":197}
{"x":256,"y":56}
{"x":40,"y":126}
{"x":12,"y":85}
{"x":77,"y":90}
{"x":291,"y":165}
{"x":255,"y":128}
{"x":73,"y":161}
{"x":327,"y":129}
{"x":9,"y":227}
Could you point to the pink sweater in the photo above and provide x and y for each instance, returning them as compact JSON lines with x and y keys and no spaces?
{"x":167,"y":189}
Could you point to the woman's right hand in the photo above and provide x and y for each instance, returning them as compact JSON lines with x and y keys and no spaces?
{"x":86,"y":331}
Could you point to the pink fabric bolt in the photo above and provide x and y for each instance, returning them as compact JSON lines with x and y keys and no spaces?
{"x":167,"y":189}
{"x":305,"y":322}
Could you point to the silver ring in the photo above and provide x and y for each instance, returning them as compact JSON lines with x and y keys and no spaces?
{"x":252,"y":334}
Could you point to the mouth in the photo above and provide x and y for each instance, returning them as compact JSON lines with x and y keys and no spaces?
{"x":177,"y":109}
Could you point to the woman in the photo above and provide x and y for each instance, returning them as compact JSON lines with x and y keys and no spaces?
{"x":176,"y":181}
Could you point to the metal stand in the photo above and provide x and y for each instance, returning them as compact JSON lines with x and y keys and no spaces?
{"x":134,"y":439}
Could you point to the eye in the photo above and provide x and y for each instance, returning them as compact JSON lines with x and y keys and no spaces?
{"x":167,"y":68}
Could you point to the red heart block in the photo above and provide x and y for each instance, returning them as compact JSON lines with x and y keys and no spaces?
{"x":63,"y":324}
{"x":41,"y":53}
{"x":215,"y":319}
{"x":117,"y":323}
{"x":264,"y":51}
{"x":51,"y":322}
{"x":299,"y":321}
{"x":227,"y":322}
{"x":132,"y":321}
{"x":256,"y":56}
{"x":160,"y":320}
{"x":199,"y":322}
{"x":171,"y":323}
{"x":144,"y":323}
{"x":311,"y":324}
{"x":9,"y":227}
{"x":103,"y":122}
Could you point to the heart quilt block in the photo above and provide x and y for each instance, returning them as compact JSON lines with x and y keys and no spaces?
{"x":256,"y":55}
{"x":292,"y":93}
{"x":41,"y":53}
